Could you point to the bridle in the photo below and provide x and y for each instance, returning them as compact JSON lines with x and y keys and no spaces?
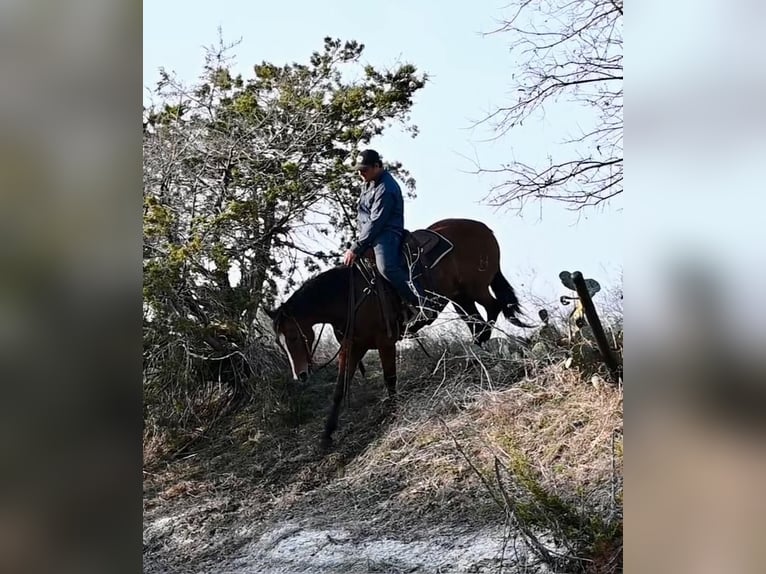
{"x":353,"y":307}
{"x":306,"y":347}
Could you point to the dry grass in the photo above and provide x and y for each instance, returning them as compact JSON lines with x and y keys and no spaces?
{"x":563,"y":425}
{"x":555,"y":420}
{"x":556,"y":438}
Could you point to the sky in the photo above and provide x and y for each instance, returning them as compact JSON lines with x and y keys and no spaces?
{"x":470,"y":74}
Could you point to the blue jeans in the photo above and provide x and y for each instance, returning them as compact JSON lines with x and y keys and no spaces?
{"x":390,"y":262}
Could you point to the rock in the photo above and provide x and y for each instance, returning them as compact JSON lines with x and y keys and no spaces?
{"x":540,"y":350}
{"x":548,"y":334}
{"x":504,"y":347}
{"x":597,"y":382}
{"x":585,"y":358}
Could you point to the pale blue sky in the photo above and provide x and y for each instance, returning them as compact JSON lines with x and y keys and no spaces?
{"x":470,"y":73}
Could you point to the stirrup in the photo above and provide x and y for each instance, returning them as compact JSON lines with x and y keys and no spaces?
{"x":408,"y":312}
{"x":408,"y":315}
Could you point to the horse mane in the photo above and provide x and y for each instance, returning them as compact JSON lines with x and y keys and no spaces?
{"x":316,"y":291}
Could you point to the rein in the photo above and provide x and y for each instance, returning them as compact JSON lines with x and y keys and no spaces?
{"x":310,"y":351}
{"x":348,"y":332}
{"x":353,"y":307}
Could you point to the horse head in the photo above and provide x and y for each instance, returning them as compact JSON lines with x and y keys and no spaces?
{"x":296,"y":337}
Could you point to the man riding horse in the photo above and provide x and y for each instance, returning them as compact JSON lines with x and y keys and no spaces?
{"x":380,"y":227}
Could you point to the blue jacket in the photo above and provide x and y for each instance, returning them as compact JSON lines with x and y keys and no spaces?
{"x":380,"y":209}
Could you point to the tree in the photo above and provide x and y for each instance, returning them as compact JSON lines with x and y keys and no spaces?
{"x":240,"y":176}
{"x":565,"y":50}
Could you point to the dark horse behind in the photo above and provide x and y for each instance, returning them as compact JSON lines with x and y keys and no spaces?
{"x":341,"y":297}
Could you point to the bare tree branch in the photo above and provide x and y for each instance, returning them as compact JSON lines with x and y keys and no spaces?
{"x":566,"y":50}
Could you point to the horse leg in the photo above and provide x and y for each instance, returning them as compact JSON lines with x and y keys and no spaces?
{"x":467,"y":319}
{"x":493,"y":307}
{"x":466,"y":308}
{"x":387,"y":355}
{"x":362,"y":369}
{"x":347,"y":362}
{"x":436,"y":305}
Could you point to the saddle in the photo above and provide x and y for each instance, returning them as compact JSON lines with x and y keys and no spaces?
{"x":422,"y":250}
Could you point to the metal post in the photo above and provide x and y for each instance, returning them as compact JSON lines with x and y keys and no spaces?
{"x":598,"y":331}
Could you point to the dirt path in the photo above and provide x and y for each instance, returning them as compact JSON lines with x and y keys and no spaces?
{"x":292,"y":548}
{"x":218,"y":536}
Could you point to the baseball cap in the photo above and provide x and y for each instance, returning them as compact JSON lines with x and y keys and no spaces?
{"x":368,"y":158}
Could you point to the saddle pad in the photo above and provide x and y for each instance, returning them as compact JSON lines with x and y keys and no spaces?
{"x":429,"y":247}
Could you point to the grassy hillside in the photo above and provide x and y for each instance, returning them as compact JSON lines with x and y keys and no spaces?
{"x":506,"y":436}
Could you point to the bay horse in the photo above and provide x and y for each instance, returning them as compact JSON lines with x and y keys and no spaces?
{"x":341,"y":297}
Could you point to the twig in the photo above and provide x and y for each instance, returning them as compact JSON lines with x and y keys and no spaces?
{"x":614,"y":475}
{"x":510,"y":509}
{"x":473,"y":467}
{"x":483,"y":367}
{"x":507,"y":527}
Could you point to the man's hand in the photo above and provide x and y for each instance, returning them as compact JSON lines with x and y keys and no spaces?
{"x":349,"y":257}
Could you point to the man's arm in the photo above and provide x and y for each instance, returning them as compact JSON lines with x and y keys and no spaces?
{"x":380,"y":213}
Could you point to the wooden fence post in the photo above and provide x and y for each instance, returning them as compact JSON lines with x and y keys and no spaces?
{"x":598,"y":331}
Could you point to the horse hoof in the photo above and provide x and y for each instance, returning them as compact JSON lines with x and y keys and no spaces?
{"x":325,"y":444}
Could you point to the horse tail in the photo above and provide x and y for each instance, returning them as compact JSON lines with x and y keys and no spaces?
{"x":507,"y":297}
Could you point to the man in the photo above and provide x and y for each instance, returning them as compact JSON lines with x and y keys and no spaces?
{"x":381,"y":227}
